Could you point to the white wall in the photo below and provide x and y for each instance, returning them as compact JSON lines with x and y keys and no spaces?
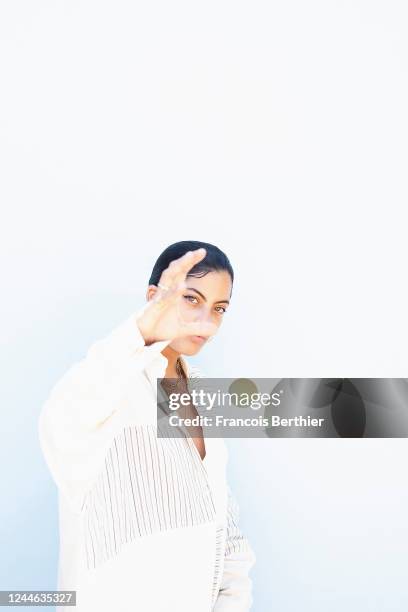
{"x":277,"y":131}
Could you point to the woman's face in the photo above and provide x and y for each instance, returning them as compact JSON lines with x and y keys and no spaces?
{"x":205,"y":299}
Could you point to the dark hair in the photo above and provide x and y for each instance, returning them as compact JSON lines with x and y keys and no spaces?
{"x":214,"y":260}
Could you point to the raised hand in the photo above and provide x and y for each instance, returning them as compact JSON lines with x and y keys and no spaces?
{"x":161,"y":318}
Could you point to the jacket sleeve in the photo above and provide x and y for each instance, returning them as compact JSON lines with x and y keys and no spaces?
{"x":235,"y":594}
{"x":88,"y":405}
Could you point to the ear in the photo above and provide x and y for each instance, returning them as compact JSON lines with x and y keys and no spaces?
{"x":151,"y":291}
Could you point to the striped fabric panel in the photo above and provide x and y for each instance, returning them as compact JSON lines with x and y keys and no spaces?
{"x":148,"y":484}
{"x":235,"y":540}
{"x":219,"y":562}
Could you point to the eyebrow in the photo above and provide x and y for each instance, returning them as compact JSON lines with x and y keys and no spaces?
{"x":205,"y":299}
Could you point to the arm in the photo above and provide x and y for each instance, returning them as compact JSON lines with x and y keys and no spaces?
{"x":96,"y":397}
{"x":88,"y":406}
{"x":235,"y":593}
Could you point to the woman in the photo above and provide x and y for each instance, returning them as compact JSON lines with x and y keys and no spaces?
{"x":147,"y":523}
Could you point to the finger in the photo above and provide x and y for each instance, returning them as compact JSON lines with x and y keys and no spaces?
{"x":199,"y":329}
{"x":178,"y":268}
{"x":191,"y":258}
{"x":165,"y":297}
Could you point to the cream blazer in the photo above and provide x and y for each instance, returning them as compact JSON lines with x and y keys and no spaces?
{"x":145,"y":523}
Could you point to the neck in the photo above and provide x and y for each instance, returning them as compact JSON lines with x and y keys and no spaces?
{"x":172,"y":357}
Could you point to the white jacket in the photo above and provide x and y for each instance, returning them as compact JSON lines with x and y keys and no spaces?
{"x":145,"y":523}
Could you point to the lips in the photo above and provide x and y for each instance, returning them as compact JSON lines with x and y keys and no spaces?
{"x":198,"y":339}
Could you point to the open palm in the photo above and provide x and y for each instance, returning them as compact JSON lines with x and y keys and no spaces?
{"x":161,"y":318}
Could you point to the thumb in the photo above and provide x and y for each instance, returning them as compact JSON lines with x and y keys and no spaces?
{"x":199,"y":329}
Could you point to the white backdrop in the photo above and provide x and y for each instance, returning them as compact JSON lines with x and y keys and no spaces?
{"x":277,"y":131}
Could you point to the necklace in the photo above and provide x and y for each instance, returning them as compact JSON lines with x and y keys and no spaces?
{"x":170,"y":383}
{"x":179,"y":368}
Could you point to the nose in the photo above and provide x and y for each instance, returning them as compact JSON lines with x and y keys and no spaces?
{"x":204,"y":315}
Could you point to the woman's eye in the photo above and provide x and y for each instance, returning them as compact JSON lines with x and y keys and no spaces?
{"x":221,"y":309}
{"x":190,"y":298}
